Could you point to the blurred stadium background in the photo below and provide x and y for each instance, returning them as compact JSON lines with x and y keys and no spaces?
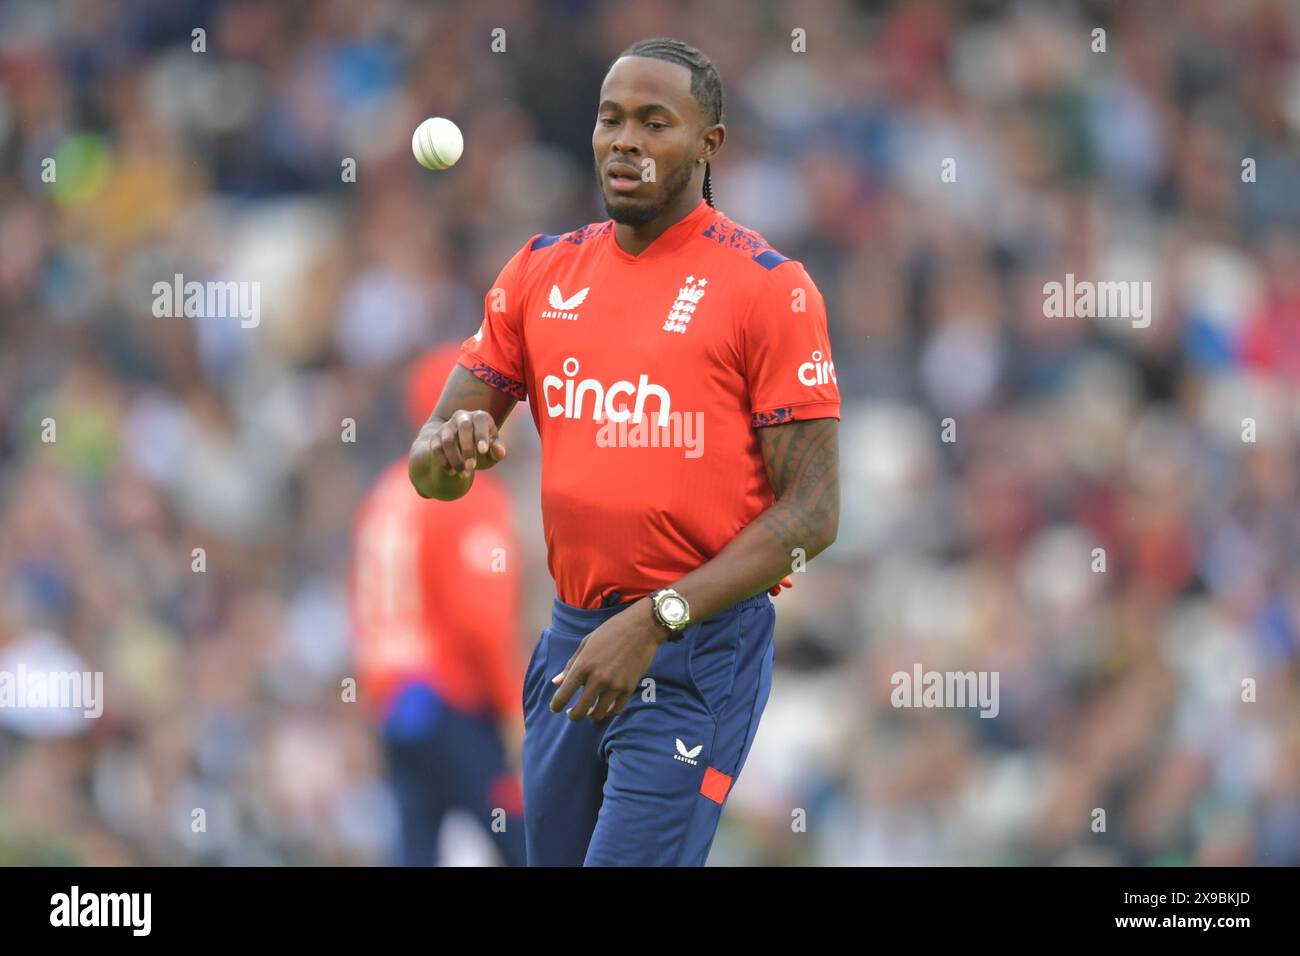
{"x":1119,"y":690}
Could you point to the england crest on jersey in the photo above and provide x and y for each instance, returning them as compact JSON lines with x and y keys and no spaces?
{"x":688,"y":297}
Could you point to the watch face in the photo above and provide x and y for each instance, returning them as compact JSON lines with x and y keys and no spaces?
{"x":672,"y":609}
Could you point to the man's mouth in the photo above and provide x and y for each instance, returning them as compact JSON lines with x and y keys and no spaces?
{"x":623,"y":179}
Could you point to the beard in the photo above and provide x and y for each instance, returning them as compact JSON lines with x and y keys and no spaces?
{"x":633,"y":212}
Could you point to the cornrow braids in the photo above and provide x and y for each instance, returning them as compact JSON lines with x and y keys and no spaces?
{"x":706,"y":85}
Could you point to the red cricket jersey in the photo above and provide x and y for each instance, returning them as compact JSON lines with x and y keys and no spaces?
{"x":435,"y":596}
{"x":647,"y":376}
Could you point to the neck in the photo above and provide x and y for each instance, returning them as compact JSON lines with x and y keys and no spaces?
{"x":634,"y":240}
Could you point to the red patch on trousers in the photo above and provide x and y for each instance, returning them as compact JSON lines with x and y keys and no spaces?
{"x":715,"y":785}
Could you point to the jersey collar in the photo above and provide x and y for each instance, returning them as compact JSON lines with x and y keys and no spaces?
{"x":670,"y":239}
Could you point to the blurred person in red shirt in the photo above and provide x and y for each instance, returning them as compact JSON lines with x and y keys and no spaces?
{"x":435,"y":602}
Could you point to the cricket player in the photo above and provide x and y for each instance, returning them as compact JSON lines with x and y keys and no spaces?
{"x":679,"y":373}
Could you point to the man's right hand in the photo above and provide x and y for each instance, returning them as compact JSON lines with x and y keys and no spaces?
{"x":465,"y":442}
{"x":460,"y":437}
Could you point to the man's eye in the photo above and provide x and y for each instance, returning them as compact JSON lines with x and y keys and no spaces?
{"x":607,"y":121}
{"x":657,"y":125}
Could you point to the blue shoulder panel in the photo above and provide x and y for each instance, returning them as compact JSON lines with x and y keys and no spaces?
{"x":770,"y":259}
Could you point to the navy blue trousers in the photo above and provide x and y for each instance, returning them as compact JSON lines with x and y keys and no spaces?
{"x":646,"y":787}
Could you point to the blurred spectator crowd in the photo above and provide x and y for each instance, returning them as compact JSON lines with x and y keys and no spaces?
{"x":1120,"y":689}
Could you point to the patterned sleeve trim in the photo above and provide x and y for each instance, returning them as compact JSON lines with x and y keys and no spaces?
{"x":512,"y":387}
{"x":801,"y":412}
{"x":777,"y":416}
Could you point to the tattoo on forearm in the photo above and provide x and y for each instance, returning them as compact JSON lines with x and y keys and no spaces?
{"x":802,"y":460}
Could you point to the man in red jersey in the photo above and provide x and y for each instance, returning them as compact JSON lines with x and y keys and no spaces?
{"x":435,"y":605}
{"x":679,"y":373}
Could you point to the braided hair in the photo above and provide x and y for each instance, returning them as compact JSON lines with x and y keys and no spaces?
{"x":706,"y":85}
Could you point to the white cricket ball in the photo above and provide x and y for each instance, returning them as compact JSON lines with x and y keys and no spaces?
{"x":437,"y":143}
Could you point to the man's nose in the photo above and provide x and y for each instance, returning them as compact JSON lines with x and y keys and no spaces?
{"x":625,"y":143}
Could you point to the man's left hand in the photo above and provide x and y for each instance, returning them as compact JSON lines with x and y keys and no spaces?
{"x":609,"y":664}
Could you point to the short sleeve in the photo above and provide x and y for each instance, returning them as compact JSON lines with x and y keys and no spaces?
{"x":495,"y":353}
{"x":787,"y":350}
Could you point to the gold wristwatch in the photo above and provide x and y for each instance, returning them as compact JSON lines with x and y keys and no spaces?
{"x":672,"y":611}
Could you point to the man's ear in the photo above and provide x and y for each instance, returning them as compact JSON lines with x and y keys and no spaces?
{"x":714,"y":137}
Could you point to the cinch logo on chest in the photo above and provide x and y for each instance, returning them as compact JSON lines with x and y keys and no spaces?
{"x":603,"y":399}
